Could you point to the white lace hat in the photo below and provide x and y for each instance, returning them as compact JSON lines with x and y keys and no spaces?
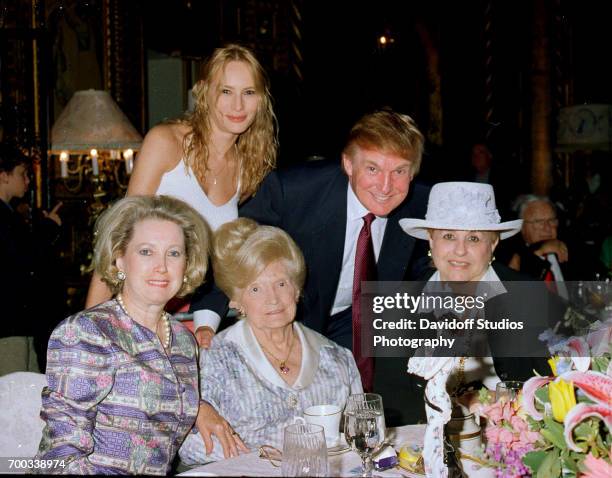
{"x":461,"y":206}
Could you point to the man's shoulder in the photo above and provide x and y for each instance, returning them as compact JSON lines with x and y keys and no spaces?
{"x":415,"y":204}
{"x":311,"y":184}
{"x":310,"y":171}
{"x":419,"y":191}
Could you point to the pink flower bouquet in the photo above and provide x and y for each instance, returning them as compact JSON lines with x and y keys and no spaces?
{"x":508,"y":438}
{"x":560,"y":426}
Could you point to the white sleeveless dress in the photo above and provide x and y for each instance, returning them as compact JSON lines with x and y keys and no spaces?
{"x":181,"y":183}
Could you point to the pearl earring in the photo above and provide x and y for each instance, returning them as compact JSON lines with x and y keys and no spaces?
{"x":121,"y":276}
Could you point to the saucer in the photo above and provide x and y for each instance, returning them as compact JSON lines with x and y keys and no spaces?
{"x":339,"y":447}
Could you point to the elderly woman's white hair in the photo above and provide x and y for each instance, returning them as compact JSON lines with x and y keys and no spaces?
{"x":243,"y":249}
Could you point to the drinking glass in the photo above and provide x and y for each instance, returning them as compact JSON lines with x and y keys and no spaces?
{"x":364,"y":427}
{"x":508,"y":390}
{"x":304,"y":450}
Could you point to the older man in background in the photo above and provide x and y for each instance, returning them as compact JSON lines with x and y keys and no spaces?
{"x":538,"y":252}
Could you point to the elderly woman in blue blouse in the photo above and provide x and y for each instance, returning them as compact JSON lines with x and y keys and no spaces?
{"x":266,"y":369}
{"x":122,"y":376}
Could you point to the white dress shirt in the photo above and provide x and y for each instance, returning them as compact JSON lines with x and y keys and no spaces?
{"x":555,"y":268}
{"x":354,"y":222}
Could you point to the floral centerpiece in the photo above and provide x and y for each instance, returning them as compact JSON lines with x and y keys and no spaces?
{"x":561,"y":424}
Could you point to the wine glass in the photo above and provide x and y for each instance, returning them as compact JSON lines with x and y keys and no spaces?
{"x":304,"y":450}
{"x":508,"y":390}
{"x":364,"y":426}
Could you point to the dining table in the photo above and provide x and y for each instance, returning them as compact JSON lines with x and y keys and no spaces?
{"x":346,"y":463}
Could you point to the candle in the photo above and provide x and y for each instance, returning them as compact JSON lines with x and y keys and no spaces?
{"x":128,"y":155}
{"x":64,"y":164}
{"x":94,"y":162}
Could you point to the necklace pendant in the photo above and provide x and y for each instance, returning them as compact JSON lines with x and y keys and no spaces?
{"x":283,"y":368}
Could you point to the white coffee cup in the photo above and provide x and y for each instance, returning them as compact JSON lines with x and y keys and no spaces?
{"x":328,"y":416}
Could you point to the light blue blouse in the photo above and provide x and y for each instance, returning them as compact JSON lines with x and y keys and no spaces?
{"x":244,"y":387}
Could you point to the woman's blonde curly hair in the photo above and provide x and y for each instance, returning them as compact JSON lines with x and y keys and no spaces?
{"x":257,"y":146}
{"x":115,"y":229}
{"x":243,"y":249}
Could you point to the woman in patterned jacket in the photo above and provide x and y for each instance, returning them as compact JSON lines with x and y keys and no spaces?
{"x":122,"y":376}
{"x":265,"y":370}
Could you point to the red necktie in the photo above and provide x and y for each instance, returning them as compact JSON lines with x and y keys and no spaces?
{"x":549,"y":279}
{"x":365,"y":269}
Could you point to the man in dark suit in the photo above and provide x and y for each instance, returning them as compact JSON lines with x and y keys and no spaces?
{"x":323,"y":207}
{"x":537,"y":251}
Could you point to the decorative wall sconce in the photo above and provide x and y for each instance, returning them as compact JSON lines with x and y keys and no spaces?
{"x":94,"y":142}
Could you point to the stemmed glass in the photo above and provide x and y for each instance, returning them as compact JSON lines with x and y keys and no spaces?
{"x":508,"y":390}
{"x":364,"y":426}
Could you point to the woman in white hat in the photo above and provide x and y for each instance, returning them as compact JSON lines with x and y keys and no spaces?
{"x":463,"y":228}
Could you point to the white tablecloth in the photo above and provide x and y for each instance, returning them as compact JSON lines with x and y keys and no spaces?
{"x":345,"y":464}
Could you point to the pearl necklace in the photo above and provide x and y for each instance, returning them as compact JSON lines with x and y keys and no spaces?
{"x":282,"y":364}
{"x":165,"y":319}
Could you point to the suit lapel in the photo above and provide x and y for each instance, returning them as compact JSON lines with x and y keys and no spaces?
{"x":328,"y":242}
{"x":396,"y":248}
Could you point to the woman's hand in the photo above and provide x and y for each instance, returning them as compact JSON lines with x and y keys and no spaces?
{"x":204,"y":336}
{"x":209,"y":422}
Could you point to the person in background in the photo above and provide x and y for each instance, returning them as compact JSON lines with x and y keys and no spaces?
{"x":265,"y":370}
{"x":538,"y":252}
{"x":481,"y":160}
{"x":31,"y":289}
{"x":487,"y":168}
{"x":122,"y":376}
{"x":216,"y":156}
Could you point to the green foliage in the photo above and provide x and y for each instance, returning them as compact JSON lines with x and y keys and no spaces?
{"x":533,"y":460}
{"x":553,"y":458}
{"x":553,"y":432}
{"x":550,"y":466}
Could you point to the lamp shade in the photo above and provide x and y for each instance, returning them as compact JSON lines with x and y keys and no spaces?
{"x":585,"y":127}
{"x":92,"y":119}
